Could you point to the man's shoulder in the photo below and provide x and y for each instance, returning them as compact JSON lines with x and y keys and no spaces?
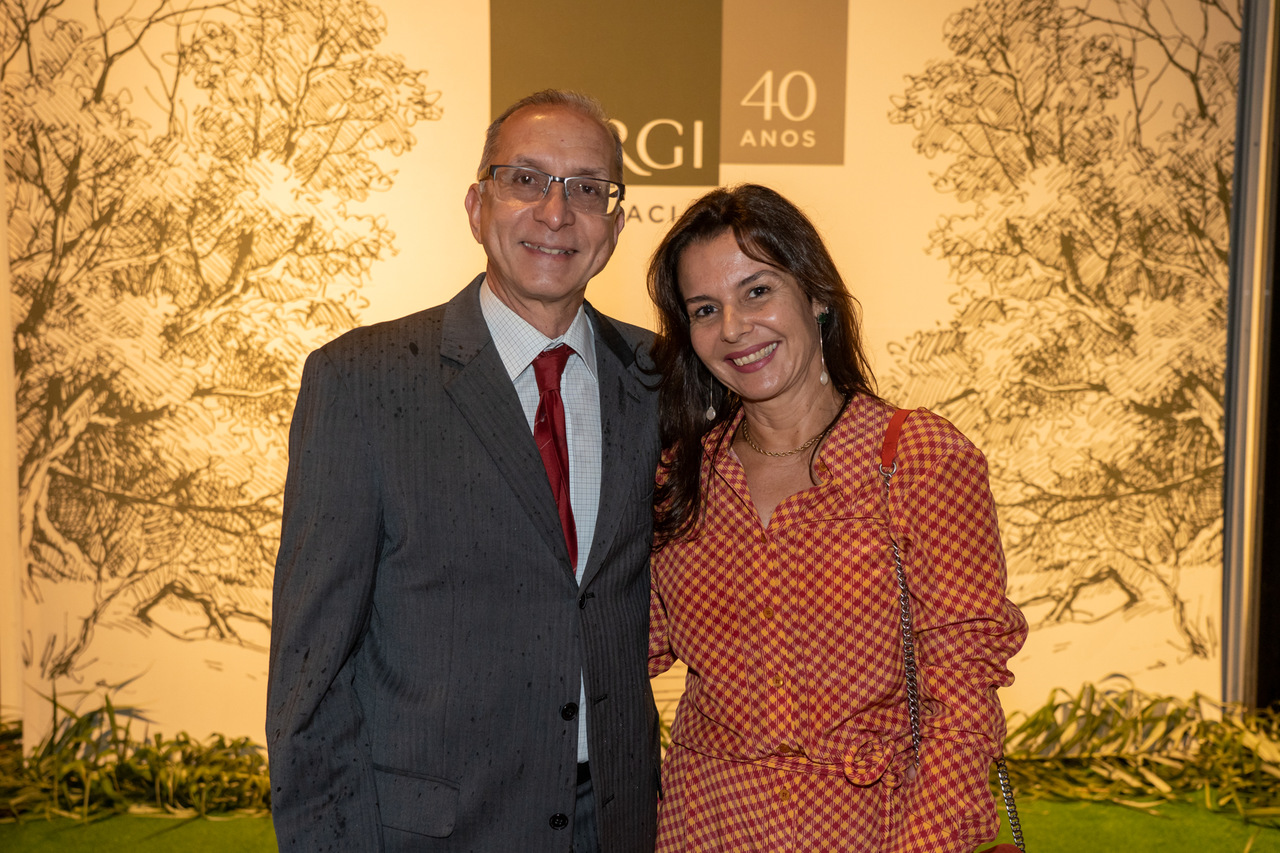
{"x":632,"y":333}
{"x":418,"y":332}
{"x":630,"y":342}
{"x":414,"y":333}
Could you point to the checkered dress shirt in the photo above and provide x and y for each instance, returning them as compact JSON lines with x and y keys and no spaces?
{"x":518,"y":344}
{"x":793,"y":732}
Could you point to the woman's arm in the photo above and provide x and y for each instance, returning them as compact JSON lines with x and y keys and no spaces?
{"x":966,"y":631}
{"x":661,"y":657}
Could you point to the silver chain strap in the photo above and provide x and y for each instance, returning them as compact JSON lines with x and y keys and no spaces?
{"x":1010,"y":807}
{"x":909,"y":664}
{"x":908,"y":634}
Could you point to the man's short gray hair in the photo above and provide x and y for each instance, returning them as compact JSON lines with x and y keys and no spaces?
{"x":578,"y":102}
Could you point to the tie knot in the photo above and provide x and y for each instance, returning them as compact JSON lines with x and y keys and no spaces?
{"x":548,"y":365}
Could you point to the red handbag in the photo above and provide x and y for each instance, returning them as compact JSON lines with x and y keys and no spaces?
{"x":888,"y":467}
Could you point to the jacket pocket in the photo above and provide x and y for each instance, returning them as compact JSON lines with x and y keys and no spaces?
{"x":419,"y":804}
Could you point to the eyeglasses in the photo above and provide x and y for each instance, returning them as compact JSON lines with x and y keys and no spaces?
{"x":526,"y":185}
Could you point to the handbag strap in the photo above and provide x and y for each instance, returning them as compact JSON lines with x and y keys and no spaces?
{"x":889,"y":467}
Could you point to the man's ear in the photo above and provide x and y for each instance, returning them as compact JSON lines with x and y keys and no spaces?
{"x":621,"y":216}
{"x":473,"y":202}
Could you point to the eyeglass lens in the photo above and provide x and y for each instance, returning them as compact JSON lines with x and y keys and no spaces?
{"x":585,"y":195}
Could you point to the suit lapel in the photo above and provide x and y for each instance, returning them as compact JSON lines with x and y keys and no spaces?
{"x":621,"y":423}
{"x":474,"y":378}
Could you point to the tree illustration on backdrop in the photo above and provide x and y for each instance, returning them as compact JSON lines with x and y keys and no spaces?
{"x":1090,"y":147}
{"x":176,"y":247}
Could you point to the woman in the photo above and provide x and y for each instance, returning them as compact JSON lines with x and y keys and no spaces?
{"x":773,"y":575}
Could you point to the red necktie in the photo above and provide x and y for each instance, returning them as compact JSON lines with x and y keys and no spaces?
{"x":549,"y":433}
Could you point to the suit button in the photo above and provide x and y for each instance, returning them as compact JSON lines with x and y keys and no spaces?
{"x":558,"y":821}
{"x":568,"y":710}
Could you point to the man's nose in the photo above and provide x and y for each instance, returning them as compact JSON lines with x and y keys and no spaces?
{"x":553,"y":208}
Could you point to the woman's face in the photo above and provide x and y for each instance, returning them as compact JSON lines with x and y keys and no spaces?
{"x":750,"y":323}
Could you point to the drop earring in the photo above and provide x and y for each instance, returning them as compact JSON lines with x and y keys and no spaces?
{"x":710,"y":413}
{"x":823,"y":378}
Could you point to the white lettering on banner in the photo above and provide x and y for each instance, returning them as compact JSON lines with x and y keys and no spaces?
{"x":676,"y":157}
{"x":657,"y":214}
{"x":782,"y":98}
{"x":642,"y":144}
{"x":774,"y":138}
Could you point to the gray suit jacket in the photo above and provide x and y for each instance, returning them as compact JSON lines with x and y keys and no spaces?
{"x":428,"y":632}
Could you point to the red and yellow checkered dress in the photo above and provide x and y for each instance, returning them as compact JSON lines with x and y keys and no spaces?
{"x":793,"y":732}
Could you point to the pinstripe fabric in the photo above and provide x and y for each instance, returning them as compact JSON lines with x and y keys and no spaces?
{"x":429,"y":630}
{"x":793,"y":731}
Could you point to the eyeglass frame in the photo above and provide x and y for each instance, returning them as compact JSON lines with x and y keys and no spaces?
{"x":564,"y":182}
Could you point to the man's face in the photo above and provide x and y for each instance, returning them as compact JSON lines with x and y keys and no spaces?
{"x":541,"y":255}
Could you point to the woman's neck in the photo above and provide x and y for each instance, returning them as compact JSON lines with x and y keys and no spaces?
{"x":778,"y":426}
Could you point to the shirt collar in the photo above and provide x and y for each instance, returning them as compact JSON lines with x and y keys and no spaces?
{"x":717,"y":442}
{"x":519,"y":343}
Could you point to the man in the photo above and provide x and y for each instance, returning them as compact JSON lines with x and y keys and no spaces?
{"x":458,"y":661}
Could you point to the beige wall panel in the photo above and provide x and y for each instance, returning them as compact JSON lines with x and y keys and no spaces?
{"x":876,"y":211}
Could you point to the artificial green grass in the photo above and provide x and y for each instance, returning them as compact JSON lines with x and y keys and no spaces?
{"x":1050,"y":827}
{"x":131,"y":834}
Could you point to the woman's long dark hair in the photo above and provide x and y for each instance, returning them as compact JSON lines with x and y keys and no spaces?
{"x":773,"y":231}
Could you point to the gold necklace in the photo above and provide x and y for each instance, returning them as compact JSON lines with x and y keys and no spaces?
{"x":746,"y":435}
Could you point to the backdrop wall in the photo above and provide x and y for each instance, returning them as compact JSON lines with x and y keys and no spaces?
{"x":1029,"y":198}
